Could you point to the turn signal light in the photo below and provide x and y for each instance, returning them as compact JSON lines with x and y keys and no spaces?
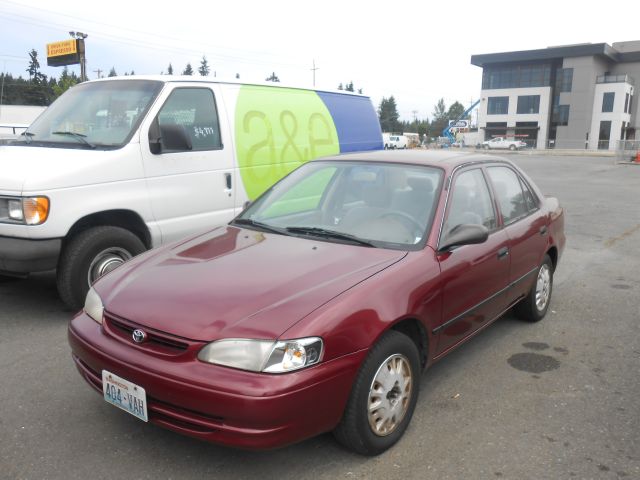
{"x":36,"y":210}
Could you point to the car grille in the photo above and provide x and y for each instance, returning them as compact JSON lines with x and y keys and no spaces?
{"x":157,"y":341}
{"x":160,"y":412}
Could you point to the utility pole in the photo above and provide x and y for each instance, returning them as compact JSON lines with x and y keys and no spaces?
{"x":99,"y":72}
{"x":314,"y":72}
{"x":79,"y":36}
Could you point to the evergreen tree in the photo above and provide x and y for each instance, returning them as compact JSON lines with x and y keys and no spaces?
{"x":349,"y":87}
{"x":34,"y":68}
{"x":112,"y":72}
{"x":388,"y":115}
{"x":340,"y":87}
{"x":204,"y":67}
{"x":360,"y":91}
{"x":65,"y":82}
{"x":455,"y":111}
{"x":188,"y":70}
{"x":170,"y":69}
{"x":440,"y":118}
{"x":272,"y":78}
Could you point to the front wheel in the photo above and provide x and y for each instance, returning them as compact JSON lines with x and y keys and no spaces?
{"x":512,"y":147}
{"x":486,"y":147}
{"x":383,"y":397}
{"x":91,"y":254}
{"x":534,"y":307}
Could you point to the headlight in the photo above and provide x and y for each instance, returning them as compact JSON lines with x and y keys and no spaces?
{"x":29,"y":210}
{"x":263,"y":355}
{"x":93,"y":305}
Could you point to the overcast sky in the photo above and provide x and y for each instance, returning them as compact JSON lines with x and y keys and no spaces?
{"x":417,"y":51}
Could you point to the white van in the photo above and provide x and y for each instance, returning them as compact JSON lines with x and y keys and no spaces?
{"x":392,"y":142}
{"x":120,"y":165}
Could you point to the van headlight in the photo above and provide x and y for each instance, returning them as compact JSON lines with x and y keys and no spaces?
{"x":264,"y":355}
{"x":26,"y":210}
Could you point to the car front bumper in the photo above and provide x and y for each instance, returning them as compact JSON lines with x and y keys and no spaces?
{"x":218,"y":404}
{"x":24,"y":255}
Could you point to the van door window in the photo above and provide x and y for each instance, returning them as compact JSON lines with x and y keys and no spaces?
{"x":195,"y":110}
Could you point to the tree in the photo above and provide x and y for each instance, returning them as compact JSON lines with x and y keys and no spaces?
{"x":65,"y":82}
{"x":349,"y":87}
{"x":455,"y":111}
{"x":34,"y":68}
{"x":112,"y":72}
{"x":388,"y":115}
{"x":188,"y":70}
{"x":170,"y":69}
{"x":360,"y":91}
{"x":237,"y":75}
{"x":440,"y":120}
{"x":340,"y":87}
{"x":204,"y":67}
{"x":272,"y":78}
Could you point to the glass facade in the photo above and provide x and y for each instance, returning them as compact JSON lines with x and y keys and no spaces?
{"x":528,"y":104}
{"x":605,"y":134}
{"x":497,"y":105}
{"x":607,"y":101}
{"x":560,"y":115}
{"x":564,"y":79}
{"x":516,"y":76}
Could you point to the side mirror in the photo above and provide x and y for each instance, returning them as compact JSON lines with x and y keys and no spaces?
{"x":168,"y":137}
{"x":464,"y":234}
{"x":246,"y":204}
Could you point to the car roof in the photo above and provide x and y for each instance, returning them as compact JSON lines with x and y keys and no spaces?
{"x":445,"y":159}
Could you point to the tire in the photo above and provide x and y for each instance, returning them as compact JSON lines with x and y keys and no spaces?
{"x":89,"y":255}
{"x":356,"y":430}
{"x":512,"y":147}
{"x":534,"y":307}
{"x":486,"y":147}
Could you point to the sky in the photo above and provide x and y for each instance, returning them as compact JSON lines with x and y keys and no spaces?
{"x":417,"y":51}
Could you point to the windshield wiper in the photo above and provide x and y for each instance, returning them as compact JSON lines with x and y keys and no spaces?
{"x":76,"y":135}
{"x":322,"y":232}
{"x":260,"y":225}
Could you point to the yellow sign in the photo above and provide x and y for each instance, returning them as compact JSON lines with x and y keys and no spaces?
{"x":57,"y":49}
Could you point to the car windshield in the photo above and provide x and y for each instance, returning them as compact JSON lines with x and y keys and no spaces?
{"x":94,"y":115}
{"x":373,"y":204}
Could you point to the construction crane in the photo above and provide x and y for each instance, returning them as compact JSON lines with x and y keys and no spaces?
{"x":447,"y":131}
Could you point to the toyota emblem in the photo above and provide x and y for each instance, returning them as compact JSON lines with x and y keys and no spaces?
{"x":139,"y":336}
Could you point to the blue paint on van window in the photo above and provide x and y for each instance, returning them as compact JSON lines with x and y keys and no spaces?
{"x":356,"y":121}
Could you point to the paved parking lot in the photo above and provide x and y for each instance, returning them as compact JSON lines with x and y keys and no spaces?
{"x":553,"y":400}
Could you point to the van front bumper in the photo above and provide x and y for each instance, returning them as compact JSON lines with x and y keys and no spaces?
{"x":24,"y":255}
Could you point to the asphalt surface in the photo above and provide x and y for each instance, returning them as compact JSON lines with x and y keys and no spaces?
{"x":553,"y":400}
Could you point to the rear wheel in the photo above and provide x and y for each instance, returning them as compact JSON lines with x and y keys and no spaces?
{"x":91,"y":254}
{"x":512,"y":147}
{"x":486,"y":147}
{"x":383,"y":398}
{"x":534,"y":307}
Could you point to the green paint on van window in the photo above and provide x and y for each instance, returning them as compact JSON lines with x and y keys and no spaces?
{"x":278,"y":129}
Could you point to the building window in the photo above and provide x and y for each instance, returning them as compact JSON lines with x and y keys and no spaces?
{"x":517,"y":76}
{"x":527,"y":132}
{"x":607,"y":101}
{"x":564,"y":79}
{"x":626,"y":103}
{"x":560,"y":115}
{"x":605,"y":134}
{"x":495,"y":129}
{"x":529,"y":104}
{"x":498,"y":106}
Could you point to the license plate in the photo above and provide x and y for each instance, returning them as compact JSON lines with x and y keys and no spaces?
{"x":125,"y":395}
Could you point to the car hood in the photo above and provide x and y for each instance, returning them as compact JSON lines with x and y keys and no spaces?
{"x":236,"y":283}
{"x":31,"y":169}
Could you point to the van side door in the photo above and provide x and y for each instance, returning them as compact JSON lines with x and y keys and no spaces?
{"x":188,"y":161}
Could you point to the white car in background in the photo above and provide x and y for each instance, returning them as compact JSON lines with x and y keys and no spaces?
{"x":501,"y":143}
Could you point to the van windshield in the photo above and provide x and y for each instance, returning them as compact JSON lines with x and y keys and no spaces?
{"x":94,"y":115}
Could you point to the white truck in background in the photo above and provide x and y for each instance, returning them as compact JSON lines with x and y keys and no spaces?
{"x":393,"y":142}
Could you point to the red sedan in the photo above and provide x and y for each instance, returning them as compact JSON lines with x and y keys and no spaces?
{"x":317,"y":308}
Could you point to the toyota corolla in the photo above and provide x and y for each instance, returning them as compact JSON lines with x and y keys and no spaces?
{"x":318,"y":307}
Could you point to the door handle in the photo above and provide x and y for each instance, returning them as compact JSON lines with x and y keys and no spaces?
{"x":503,"y":252}
{"x":543,"y":230}
{"x":227,"y":183}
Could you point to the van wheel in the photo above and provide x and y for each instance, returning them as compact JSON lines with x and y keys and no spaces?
{"x":383,"y":397}
{"x":91,"y":254}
